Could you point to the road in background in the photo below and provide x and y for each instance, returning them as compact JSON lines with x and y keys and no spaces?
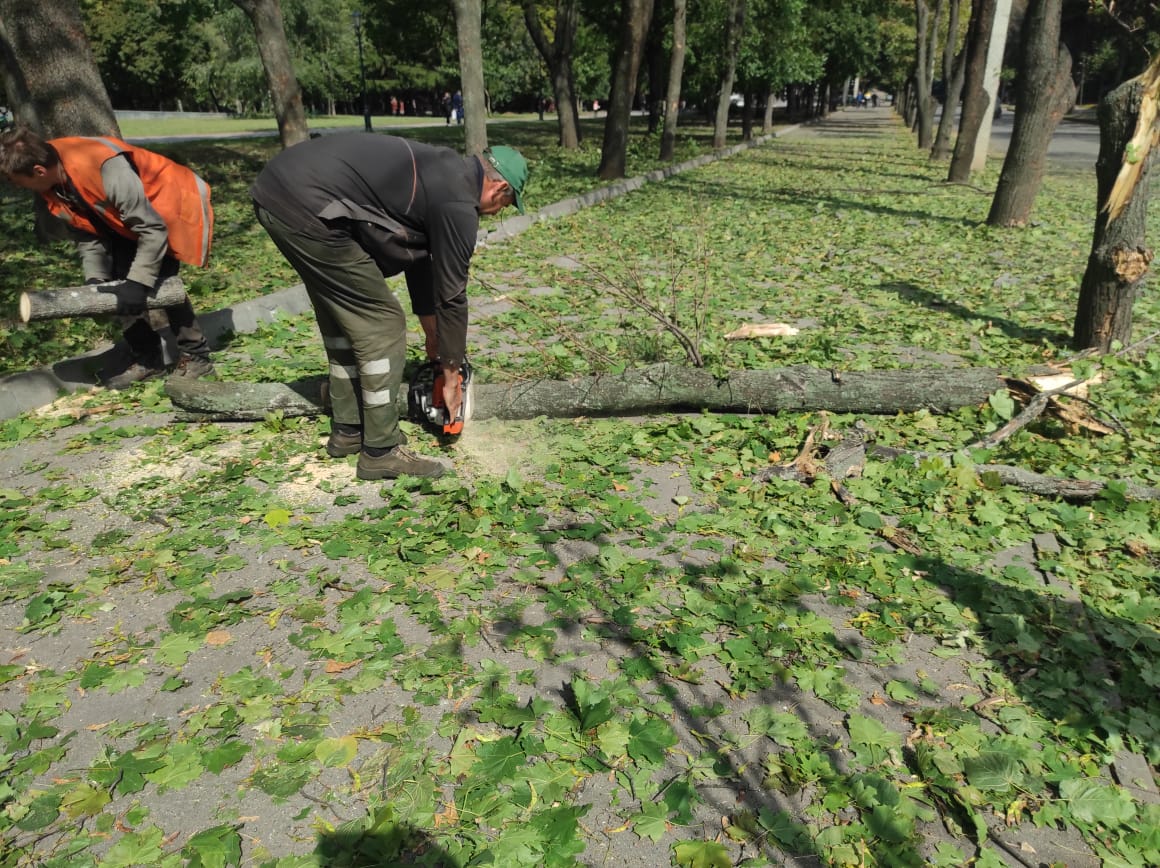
{"x":1076,"y":143}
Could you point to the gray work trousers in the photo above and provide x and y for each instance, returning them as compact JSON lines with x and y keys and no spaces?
{"x":363,"y":326}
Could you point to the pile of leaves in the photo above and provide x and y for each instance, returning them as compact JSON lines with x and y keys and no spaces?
{"x":613,"y":639}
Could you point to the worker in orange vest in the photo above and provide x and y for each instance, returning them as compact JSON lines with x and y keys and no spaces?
{"x":134,"y":216}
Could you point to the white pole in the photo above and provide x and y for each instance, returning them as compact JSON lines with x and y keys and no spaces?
{"x":991,"y":81}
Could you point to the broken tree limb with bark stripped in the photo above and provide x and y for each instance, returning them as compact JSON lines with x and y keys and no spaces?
{"x":88,"y":300}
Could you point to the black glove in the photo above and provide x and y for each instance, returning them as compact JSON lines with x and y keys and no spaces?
{"x":130,"y":294}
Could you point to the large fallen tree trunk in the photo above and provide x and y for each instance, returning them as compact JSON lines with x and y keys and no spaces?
{"x":640,"y":391}
{"x":88,"y":300}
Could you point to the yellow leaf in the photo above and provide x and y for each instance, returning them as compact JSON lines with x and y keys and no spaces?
{"x":218,"y":637}
{"x":333,"y":752}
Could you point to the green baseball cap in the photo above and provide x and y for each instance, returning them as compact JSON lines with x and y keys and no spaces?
{"x":511,"y":164}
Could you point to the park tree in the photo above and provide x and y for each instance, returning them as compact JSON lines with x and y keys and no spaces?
{"x":675,"y":76}
{"x":143,"y":48}
{"x":557,"y":55}
{"x":954,"y":65}
{"x":894,"y":61}
{"x":52,"y":80}
{"x":775,"y":50}
{"x":635,"y":16}
{"x":730,"y":49}
{"x":1044,"y":92}
{"x":846,"y":34}
{"x":227,"y":74}
{"x":1129,"y":119}
{"x":975,"y":102}
{"x":469,"y":37}
{"x":926,"y":23}
{"x":266,"y":18}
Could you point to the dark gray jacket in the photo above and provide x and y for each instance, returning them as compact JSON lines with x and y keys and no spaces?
{"x":413,"y":207}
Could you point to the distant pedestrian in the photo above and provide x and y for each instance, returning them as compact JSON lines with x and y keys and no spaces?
{"x":457,"y":107}
{"x":394,"y":105}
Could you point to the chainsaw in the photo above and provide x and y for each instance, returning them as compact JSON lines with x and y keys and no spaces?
{"x":425,"y":398}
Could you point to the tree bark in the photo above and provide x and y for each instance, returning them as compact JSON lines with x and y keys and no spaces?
{"x":654,"y":52}
{"x":925,"y":39}
{"x":469,"y":35}
{"x":270,"y":32}
{"x":557,"y":56}
{"x":975,"y":102}
{"x":673,"y":88}
{"x":1045,"y":94}
{"x":954,"y":70}
{"x":635,"y":18}
{"x":53,"y":82}
{"x":1119,"y":259}
{"x":659,"y":388}
{"x":734,"y":26}
{"x":767,"y":117}
{"x":89,"y":301}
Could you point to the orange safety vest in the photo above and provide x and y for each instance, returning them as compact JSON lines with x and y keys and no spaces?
{"x":177,"y":194}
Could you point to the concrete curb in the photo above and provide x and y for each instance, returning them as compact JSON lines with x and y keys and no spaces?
{"x":29,"y":390}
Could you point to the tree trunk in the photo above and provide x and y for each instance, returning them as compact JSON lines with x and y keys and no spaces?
{"x":910,"y":110}
{"x":1045,"y":94}
{"x":266,"y":18}
{"x":954,"y":69}
{"x":676,"y":73}
{"x":557,"y":55}
{"x":88,"y":300}
{"x":655,"y":70}
{"x":734,"y":25}
{"x":1118,"y":260}
{"x":53,"y":82}
{"x":767,"y":117}
{"x":975,"y":102}
{"x":635,"y":18}
{"x":659,"y":388}
{"x":925,"y":38}
{"x":468,"y":33}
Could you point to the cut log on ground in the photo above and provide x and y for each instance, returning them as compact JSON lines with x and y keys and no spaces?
{"x":88,"y":300}
{"x":654,"y":389}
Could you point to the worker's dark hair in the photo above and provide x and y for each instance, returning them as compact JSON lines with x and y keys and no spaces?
{"x":21,"y":150}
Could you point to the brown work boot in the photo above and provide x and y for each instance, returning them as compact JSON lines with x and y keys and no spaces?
{"x":191,"y":367}
{"x":399,"y":461}
{"x":341,"y":443}
{"x":141,"y":368}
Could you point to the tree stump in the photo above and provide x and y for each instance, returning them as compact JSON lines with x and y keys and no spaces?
{"x":88,"y":300}
{"x":1119,"y":258}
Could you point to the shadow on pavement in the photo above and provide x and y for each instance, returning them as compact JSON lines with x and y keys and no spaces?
{"x":381,"y":842}
{"x":934,"y":301}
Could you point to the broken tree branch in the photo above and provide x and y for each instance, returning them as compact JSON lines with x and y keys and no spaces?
{"x":88,"y":300}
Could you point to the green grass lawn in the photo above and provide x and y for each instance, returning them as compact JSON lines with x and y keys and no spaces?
{"x":154,"y":127}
